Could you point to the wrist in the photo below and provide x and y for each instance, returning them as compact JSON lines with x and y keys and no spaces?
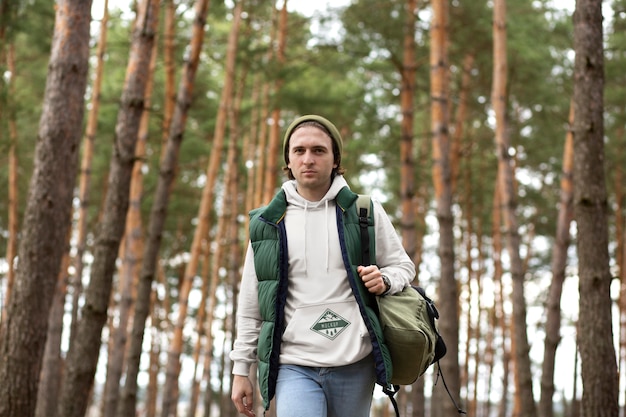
{"x":387,"y":283}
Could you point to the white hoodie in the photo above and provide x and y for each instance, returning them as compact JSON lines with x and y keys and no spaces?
{"x":323,"y":325}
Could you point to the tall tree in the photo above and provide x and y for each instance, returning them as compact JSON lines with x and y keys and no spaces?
{"x":204,"y":213}
{"x":407,"y":151}
{"x":524,"y":400}
{"x":158,"y":214}
{"x":408,"y":198}
{"x":7,"y":54}
{"x":271,"y":171}
{"x":260,"y":158}
{"x":48,"y":210}
{"x":442,"y":180}
{"x":52,"y":365}
{"x":559,"y":262}
{"x":84,"y":186}
{"x":595,"y":334}
{"x":130,"y":254}
{"x":501,"y":318}
{"x":83,"y":355}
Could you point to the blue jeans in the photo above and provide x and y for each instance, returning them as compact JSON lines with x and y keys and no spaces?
{"x":344,"y":391}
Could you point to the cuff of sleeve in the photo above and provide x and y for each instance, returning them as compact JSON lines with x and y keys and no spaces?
{"x":241,"y":368}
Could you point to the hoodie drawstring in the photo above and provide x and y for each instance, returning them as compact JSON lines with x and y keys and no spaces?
{"x":327,"y":235}
{"x":306,"y":206}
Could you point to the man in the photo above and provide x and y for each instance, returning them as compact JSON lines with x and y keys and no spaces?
{"x":307,"y":307}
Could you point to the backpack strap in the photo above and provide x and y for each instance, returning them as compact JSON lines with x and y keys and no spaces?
{"x":363,"y":210}
{"x":363,"y":204}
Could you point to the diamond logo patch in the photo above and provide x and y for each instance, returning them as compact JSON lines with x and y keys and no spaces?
{"x":330,"y":324}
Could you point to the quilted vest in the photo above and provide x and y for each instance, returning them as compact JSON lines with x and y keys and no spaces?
{"x":269,"y":243}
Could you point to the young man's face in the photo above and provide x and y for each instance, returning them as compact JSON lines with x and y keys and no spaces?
{"x":311,"y":161}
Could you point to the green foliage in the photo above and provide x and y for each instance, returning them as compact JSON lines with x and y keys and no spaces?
{"x":28,"y":26}
{"x":615,"y":109}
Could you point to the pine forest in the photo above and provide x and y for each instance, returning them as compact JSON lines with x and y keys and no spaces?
{"x":136,"y":136}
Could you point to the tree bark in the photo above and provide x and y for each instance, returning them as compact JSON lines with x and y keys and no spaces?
{"x":48,"y":210}
{"x":271,"y":169}
{"x":524,"y":400}
{"x":169,"y":99}
{"x":501,"y":319}
{"x":260,"y":157}
{"x":84,"y":352}
{"x":559,"y":262}
{"x":408,"y":197}
{"x":169,"y":161}
{"x":53,"y":363}
{"x":84,"y":186}
{"x":442,"y":180}
{"x":457,"y":149}
{"x":130,"y":255}
{"x":202,"y":327}
{"x":13,"y":194}
{"x":595,"y":337}
{"x":407,"y":151}
{"x":204,"y":211}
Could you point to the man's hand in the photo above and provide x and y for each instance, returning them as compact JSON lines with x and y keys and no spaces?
{"x":242,"y":395}
{"x":372,"y":278}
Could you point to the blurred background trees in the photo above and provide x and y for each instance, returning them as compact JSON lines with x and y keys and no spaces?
{"x":202,"y":109}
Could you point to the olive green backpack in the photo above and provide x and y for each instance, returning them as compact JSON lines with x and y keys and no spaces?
{"x":408,"y":322}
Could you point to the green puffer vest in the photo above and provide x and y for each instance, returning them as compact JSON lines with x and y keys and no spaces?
{"x":269,"y":242}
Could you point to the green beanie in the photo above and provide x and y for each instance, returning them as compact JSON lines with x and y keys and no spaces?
{"x":332,"y":129}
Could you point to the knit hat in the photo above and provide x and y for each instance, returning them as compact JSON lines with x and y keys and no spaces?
{"x":334,"y":133}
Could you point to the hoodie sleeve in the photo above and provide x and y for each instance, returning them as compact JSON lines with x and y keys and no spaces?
{"x":391,"y":257}
{"x":248,"y":325}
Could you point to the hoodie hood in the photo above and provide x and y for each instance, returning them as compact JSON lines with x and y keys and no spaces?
{"x":314,"y":222}
{"x":294,"y":198}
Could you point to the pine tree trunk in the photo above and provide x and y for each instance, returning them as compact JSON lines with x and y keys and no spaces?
{"x":84,"y":186}
{"x":620,"y":255}
{"x":272,"y":162}
{"x":158,"y":308}
{"x":559,"y":262}
{"x":130,"y":255}
{"x":169,"y":99}
{"x":169,"y":161}
{"x":200,"y":333}
{"x":53,"y":364}
{"x":260,"y":157}
{"x":441,"y":173}
{"x":523,"y":377}
{"x":13,"y":193}
{"x":595,"y":337}
{"x":421,"y":205}
{"x":407,"y":170}
{"x":407,"y":152}
{"x":501,"y":320}
{"x":84,"y":352}
{"x":48,"y":210}
{"x":226,"y":223}
{"x":252,"y":151}
{"x":206,"y":205}
{"x":456,"y":148}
